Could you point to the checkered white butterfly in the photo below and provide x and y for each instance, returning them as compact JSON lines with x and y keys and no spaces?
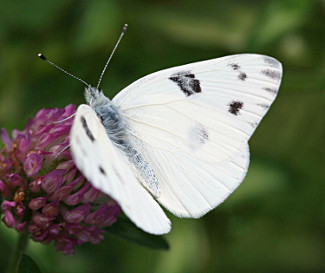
{"x":178,"y":136}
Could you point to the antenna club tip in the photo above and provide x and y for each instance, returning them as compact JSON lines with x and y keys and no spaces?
{"x":125,"y":27}
{"x":41,"y":56}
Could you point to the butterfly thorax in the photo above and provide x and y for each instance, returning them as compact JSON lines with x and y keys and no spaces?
{"x":108,"y":114}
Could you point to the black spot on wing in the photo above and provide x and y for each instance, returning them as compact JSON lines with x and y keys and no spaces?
{"x":271,"y":62}
{"x":235,"y":106}
{"x":186,"y":82}
{"x":242,"y":76}
{"x":198,"y":136}
{"x":253,"y":124}
{"x":203,"y":135}
{"x":264,"y":105}
{"x":273,"y":74}
{"x":102,"y":171}
{"x":85,"y":126}
{"x":234,"y":66}
{"x":270,"y":90}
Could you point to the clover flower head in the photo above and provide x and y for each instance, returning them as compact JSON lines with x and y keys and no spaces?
{"x":42,"y":192}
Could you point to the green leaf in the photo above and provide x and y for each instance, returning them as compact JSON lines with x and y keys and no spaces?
{"x":279,"y":19}
{"x":99,"y":17}
{"x":126,"y":230}
{"x":28,"y":265}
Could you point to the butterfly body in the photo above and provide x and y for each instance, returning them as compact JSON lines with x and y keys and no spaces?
{"x":179,"y":135}
{"x":115,"y":129}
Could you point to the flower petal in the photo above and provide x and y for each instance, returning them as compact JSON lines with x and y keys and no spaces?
{"x":77,"y":215}
{"x":104,"y":216}
{"x":4,"y":189}
{"x":37,"y":203}
{"x":33,"y":162}
{"x":21,"y":226}
{"x":9,"y":219}
{"x":15,"y":179}
{"x":51,"y":209}
{"x":91,"y":195}
{"x":24,"y":146}
{"x":7,"y":205}
{"x":5,"y":166}
{"x":41,"y":220}
{"x":6,"y":139}
{"x":52,"y":181}
{"x":75,"y":198}
{"x":35,"y":185}
{"x":20,"y":209}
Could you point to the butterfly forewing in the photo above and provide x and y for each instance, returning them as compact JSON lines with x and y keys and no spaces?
{"x":104,"y":165}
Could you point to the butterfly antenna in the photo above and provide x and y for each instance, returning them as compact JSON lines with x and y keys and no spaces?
{"x":58,"y":67}
{"x":110,"y":57}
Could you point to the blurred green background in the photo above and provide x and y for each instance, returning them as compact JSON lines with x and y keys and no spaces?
{"x":275,"y":221}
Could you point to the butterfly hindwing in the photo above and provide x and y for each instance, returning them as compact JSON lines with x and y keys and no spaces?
{"x":109,"y":170}
{"x":192,"y":124}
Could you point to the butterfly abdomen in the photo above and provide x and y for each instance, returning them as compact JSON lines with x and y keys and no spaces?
{"x":149,"y":179}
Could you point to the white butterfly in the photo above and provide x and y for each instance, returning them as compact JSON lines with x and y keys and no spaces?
{"x":179,"y":135}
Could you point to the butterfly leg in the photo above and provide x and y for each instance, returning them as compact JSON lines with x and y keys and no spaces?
{"x":64,"y":149}
{"x":64,"y":119}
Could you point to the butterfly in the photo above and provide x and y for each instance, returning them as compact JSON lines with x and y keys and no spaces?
{"x":177,"y":137}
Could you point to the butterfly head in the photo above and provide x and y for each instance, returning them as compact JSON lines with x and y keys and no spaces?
{"x":95,"y":97}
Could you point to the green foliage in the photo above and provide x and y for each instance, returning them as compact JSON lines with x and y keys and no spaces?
{"x":28,"y":265}
{"x":126,"y":230}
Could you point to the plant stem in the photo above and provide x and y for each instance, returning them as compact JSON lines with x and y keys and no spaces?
{"x":17,"y":252}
